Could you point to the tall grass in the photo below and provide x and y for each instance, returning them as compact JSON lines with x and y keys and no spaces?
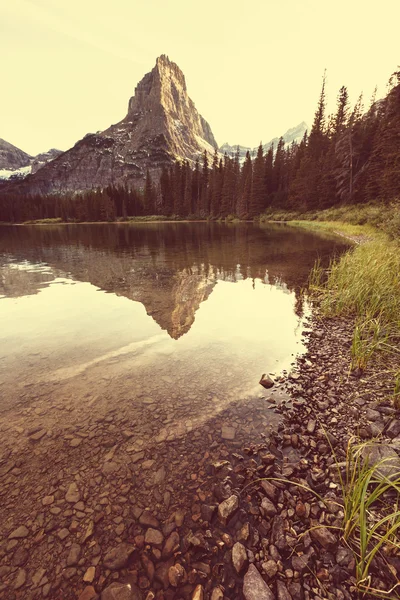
{"x":371,"y":520}
{"x":364,"y":283}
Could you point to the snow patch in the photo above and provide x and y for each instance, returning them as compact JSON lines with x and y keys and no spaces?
{"x":20,"y":173}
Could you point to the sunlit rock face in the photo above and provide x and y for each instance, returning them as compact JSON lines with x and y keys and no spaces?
{"x":162,"y":124}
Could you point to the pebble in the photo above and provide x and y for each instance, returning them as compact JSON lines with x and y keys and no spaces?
{"x":227,"y":508}
{"x":239,"y":557}
{"x":73,"y":494}
{"x":19,"y":533}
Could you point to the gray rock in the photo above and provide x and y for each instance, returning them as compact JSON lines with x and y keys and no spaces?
{"x":372,"y":415}
{"x":239,"y":557}
{"x":386,"y":460}
{"x":302,"y":562}
{"x":20,"y":532}
{"x":118,"y":557}
{"x":121,"y":591}
{"x":323,"y":536}
{"x":394,"y":429}
{"x":254,"y":586}
{"x":344,"y":556}
{"x":227,"y":508}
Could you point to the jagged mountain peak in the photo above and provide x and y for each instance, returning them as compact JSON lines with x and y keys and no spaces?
{"x":162,"y":124}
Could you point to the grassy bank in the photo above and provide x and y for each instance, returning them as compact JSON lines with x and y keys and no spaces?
{"x":363,"y":284}
{"x":367,"y":219}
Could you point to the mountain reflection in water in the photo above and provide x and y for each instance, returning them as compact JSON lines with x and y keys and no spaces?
{"x":171,"y":269}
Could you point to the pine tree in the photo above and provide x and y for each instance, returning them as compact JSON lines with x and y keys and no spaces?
{"x":258,"y":192}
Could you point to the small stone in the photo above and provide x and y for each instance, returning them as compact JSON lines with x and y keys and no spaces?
{"x":38,"y":576}
{"x":73,"y":494}
{"x":171,"y":545}
{"x":73,"y":555}
{"x":121,"y":591}
{"x":89,"y":531}
{"x":109,"y":468}
{"x":254,"y":586}
{"x":35,"y":437}
{"x":89,"y":575}
{"x":159,"y":476}
{"x":301,"y":510}
{"x":270,"y":568}
{"x":149,"y":520}
{"x":198,"y":593}
{"x":154,"y":537}
{"x":176,"y":575}
{"x":323,"y":536}
{"x":239,"y":557}
{"x":20,"y":557}
{"x":394,"y":429}
{"x":47,"y":500}
{"x":228,"y":433}
{"x":267,"y":508}
{"x":266,"y":381}
{"x":217,"y":594}
{"x":21,"y":532}
{"x":243,"y":533}
{"x":20,"y":579}
{"x":63,"y":533}
{"x":75,"y":442}
{"x":311,"y":426}
{"x":227,"y":508}
{"x":282,"y":591}
{"x":118,"y":557}
{"x":89,"y":593}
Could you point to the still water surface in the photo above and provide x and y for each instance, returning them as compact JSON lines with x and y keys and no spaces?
{"x":184,"y":317}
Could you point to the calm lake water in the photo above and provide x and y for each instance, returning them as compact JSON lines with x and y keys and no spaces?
{"x":183,"y":316}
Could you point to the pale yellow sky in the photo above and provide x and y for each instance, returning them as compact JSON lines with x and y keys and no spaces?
{"x":68,"y":67}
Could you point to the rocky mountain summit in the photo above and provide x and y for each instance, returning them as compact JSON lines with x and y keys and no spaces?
{"x":161,"y":125}
{"x":294,"y":134}
{"x":12,"y":157}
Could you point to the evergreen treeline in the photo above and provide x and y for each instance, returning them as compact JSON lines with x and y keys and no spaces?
{"x":349,"y":157}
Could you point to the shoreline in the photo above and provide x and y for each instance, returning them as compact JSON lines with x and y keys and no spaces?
{"x":258,"y":516}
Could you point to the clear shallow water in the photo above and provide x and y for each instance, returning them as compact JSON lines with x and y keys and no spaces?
{"x":185,"y":317}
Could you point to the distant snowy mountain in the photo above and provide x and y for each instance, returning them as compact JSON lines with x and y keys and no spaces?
{"x":295,"y":134}
{"x":16,"y":164}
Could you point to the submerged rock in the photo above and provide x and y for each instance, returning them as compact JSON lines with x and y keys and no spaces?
{"x":266,"y":381}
